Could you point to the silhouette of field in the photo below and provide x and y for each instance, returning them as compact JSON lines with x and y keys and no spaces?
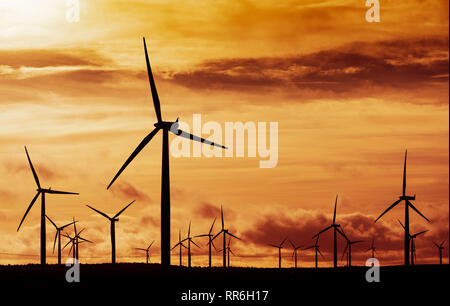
{"x":283,"y":285}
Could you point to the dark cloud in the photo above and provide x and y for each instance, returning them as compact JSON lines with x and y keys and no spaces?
{"x":207,"y":210}
{"x":126,"y":191}
{"x":41,"y":170}
{"x":399,"y":64}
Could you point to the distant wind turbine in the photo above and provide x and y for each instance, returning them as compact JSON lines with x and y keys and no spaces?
{"x":40,"y":191}
{"x":225,"y":232}
{"x":408,"y":204}
{"x":229,"y":252}
{"x":75,"y":241}
{"x":413,"y":244}
{"x":181,"y":245}
{"x":113,"y":221}
{"x":147,"y":251}
{"x":348,"y":248}
{"x":210,"y":236}
{"x":440,"y":247}
{"x":59,"y":229}
{"x":165,"y":126}
{"x":295,"y":255}
{"x":336,"y":230}
{"x":315,"y":246}
{"x":189,"y":240}
{"x":279,"y":247}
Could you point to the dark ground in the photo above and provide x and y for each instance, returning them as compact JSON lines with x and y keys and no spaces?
{"x":286,"y":286}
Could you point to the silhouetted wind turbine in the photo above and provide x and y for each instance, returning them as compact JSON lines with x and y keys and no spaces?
{"x":348,"y":248}
{"x":317,"y":251}
{"x":279,"y":247}
{"x":113,"y":228}
{"x":210,"y":236}
{"x":40,"y":191}
{"x":372,"y":248}
{"x":147,"y":250}
{"x":336,"y":230}
{"x":165,"y":126}
{"x":181,"y":245}
{"x":440,"y":247}
{"x":413,"y":245}
{"x":296,"y":248}
{"x":75,"y":240}
{"x":408,"y":204}
{"x":189,"y":241}
{"x":225,"y":232}
{"x":228,"y":250}
{"x":58,"y":236}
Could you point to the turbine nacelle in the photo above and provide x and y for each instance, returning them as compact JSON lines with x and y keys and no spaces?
{"x":406,"y":198}
{"x":167,"y":125}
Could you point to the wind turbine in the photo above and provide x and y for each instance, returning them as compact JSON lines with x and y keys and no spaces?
{"x":189,"y":241}
{"x":408,"y":204}
{"x":336,"y":230}
{"x":181,"y":245}
{"x":113,"y":228}
{"x":165,"y":126}
{"x":279,"y":247}
{"x":40,"y":191}
{"x":225,"y":232}
{"x":147,"y":250}
{"x":210,"y":236}
{"x":440,"y":247}
{"x":229,"y":251}
{"x":75,"y":240}
{"x":59,"y":229}
{"x":296,"y":248}
{"x":316,"y":249}
{"x":348,"y":248}
{"x":413,"y":245}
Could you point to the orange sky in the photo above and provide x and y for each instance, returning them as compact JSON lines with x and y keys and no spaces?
{"x":349,"y":97}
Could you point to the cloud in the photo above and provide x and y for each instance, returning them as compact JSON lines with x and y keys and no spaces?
{"x":126,"y":191}
{"x":395,"y":64}
{"x":207,"y":210}
{"x":41,"y":170}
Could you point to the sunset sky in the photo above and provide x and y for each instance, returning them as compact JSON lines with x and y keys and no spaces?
{"x":349,"y":97}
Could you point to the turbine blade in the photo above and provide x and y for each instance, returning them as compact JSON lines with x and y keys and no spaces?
{"x":273,"y":245}
{"x":59,"y":192}
{"x":196,"y":138}
{"x":404,"y":174}
{"x":51,"y":221}
{"x":334,"y":214}
{"x":212,"y":243}
{"x":139,"y":148}
{"x":283,"y":241}
{"x":436,"y":244}
{"x":221,"y":213}
{"x":388,"y":209}
{"x":32,"y":169}
{"x":155,"y":97}
{"x":150,"y":245}
{"x":320,"y":252}
{"x":401,"y":224}
{"x":324,"y":230}
{"x":195,"y":244}
{"x":307,"y":248}
{"x":233,"y":236}
{"x":232,"y":252}
{"x":342,"y":234}
{"x":420,"y":233}
{"x":189,"y":229}
{"x":123,"y":209}
{"x":417,"y":211}
{"x":98,"y":211}
{"x":345,"y":250}
{"x":54,"y":242}
{"x":81,"y":238}
{"x":176,"y":245}
{"x":64,"y":226}
{"x":293,"y":246}
{"x":141,"y":249}
{"x":217,"y":235}
{"x":199,"y":236}
{"x":212,"y":226}
{"x":28,"y":209}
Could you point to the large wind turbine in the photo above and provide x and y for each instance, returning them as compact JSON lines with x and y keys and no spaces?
{"x":279,"y":247}
{"x":40,"y":191}
{"x":408,"y":204}
{"x":147,"y":250}
{"x":336,"y":230}
{"x":225,"y":232}
{"x":413,"y":245}
{"x":440,"y":247}
{"x":210,"y":236}
{"x":113,"y":228}
{"x":59,"y":229}
{"x":165,"y":126}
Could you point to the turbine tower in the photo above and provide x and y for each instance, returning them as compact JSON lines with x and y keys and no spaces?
{"x":407,"y":199}
{"x":181,"y":245}
{"x":42,"y":192}
{"x":225,"y":232}
{"x":336,"y":230}
{"x":113,"y":221}
{"x":165,"y":126}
